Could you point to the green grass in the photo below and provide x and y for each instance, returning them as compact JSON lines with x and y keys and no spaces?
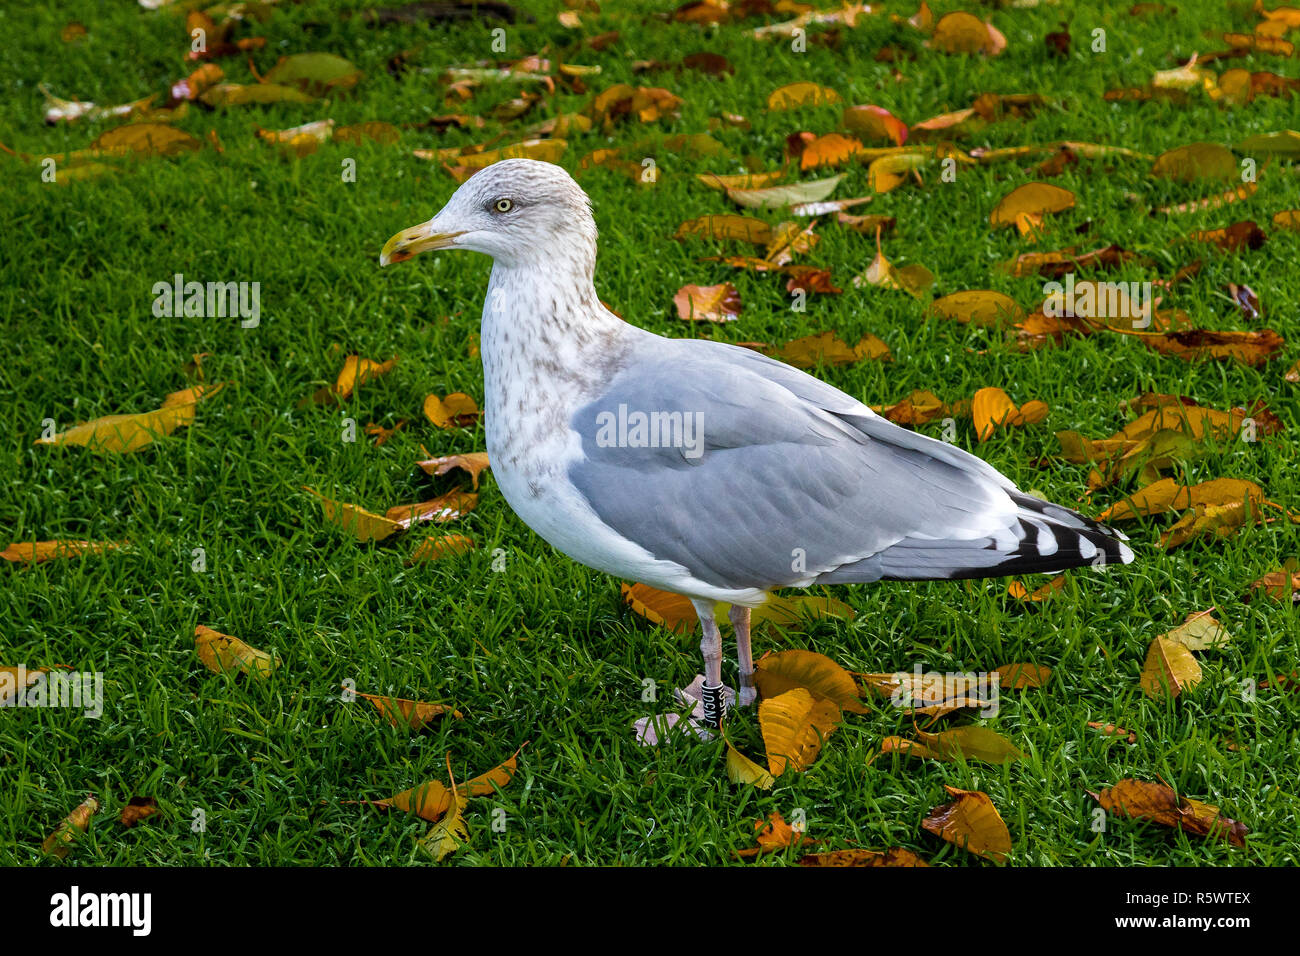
{"x":545,"y":652}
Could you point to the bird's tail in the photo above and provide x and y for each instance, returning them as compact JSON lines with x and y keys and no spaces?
{"x":1047,"y":538}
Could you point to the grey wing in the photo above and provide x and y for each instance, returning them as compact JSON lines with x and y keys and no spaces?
{"x":751,"y":473}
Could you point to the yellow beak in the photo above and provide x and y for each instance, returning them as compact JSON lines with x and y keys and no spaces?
{"x":413,"y":241}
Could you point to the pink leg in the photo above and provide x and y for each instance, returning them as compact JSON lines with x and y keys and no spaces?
{"x":740,"y":617}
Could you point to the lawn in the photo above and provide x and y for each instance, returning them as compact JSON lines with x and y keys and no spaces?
{"x":527,"y":645}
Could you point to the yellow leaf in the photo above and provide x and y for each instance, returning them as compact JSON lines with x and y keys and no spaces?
{"x":740,"y":769}
{"x":978,"y":307}
{"x":119,"y":434}
{"x":816,"y":673}
{"x":794,"y":726}
{"x":972,"y":823}
{"x":449,"y":833}
{"x":794,"y":95}
{"x":1030,"y":202}
{"x":60,"y":841}
{"x":409,"y":713}
{"x":1169,"y":669}
{"x":457,"y":410}
{"x":474,"y":462}
{"x":221,"y":653}
{"x":361,"y":524}
{"x":37,"y":552}
{"x":443,"y":546}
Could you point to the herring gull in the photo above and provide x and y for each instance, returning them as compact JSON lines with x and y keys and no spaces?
{"x":701,"y":468}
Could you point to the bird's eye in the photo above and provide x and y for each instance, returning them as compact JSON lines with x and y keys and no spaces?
{"x":504,"y":205}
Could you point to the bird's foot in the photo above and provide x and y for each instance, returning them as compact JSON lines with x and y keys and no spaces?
{"x":748,"y":694}
{"x":651,"y":731}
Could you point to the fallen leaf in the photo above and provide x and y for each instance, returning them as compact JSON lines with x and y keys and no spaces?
{"x":740,"y":769}
{"x":361,"y":524}
{"x":794,"y":725}
{"x":1169,"y":669}
{"x":137,"y":809}
{"x":443,"y":546}
{"x":474,"y":462}
{"x":38,"y":552}
{"x":1053,"y":587}
{"x":1025,"y":206}
{"x":991,"y":408}
{"x":978,"y":307}
{"x":1020,"y":676}
{"x":813,"y":190}
{"x":816,"y":673}
{"x":715,"y":303}
{"x":962,"y":32}
{"x":316,"y":73}
{"x":774,"y":834}
{"x":454,"y":504}
{"x":971,"y":742}
{"x":221,"y":653}
{"x":972,"y":823}
{"x":1168,"y":495}
{"x":124,"y":434}
{"x":895,"y":856}
{"x":457,"y":410}
{"x":1143,"y":800}
{"x":795,"y":95}
{"x":412,"y":714}
{"x":1186,"y":164}
{"x":60,"y":842}
{"x":1110,"y":730}
{"x":875,"y":122}
{"x":744,"y":228}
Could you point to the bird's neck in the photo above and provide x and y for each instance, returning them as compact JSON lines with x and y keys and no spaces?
{"x":546,"y":342}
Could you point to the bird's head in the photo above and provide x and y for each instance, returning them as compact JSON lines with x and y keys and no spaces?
{"x":521,"y":212}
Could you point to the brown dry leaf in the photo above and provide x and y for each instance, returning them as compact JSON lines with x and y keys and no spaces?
{"x":1168,"y":495}
{"x":1025,"y":206}
{"x":474,"y":462}
{"x":1143,"y":800}
{"x":443,"y":546}
{"x":137,"y":809}
{"x":1058,"y":263}
{"x":412,"y":714}
{"x":123,"y":434}
{"x":962,"y":32}
{"x":972,"y":823}
{"x":816,"y":673}
{"x":867,"y":225}
{"x":894,"y":856}
{"x":743,"y":228}
{"x":1209,"y":521}
{"x":991,"y":409}
{"x":1279,"y":585}
{"x":197,"y":83}
{"x":794,"y":725}
{"x":1110,"y":730}
{"x":920,"y":407}
{"x":1234,"y":238}
{"x":913,"y":279}
{"x":774,"y":834}
{"x":454,"y":504}
{"x":1253,"y":348}
{"x":978,"y":307}
{"x":795,"y":95}
{"x":38,"y":552}
{"x":972,"y":742}
{"x":59,"y":843}
{"x":457,"y":410}
{"x":221,"y":653}
{"x":146,"y":139}
{"x":1178,"y":412}
{"x":362,"y":524}
{"x":714,"y":303}
{"x":1169,"y":669}
{"x":875,"y":122}
{"x":1049,"y":590}
{"x":382,"y":435}
{"x":827,"y":348}
{"x":1020,"y":676}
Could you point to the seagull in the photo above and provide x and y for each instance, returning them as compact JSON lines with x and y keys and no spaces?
{"x":701,"y":468}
